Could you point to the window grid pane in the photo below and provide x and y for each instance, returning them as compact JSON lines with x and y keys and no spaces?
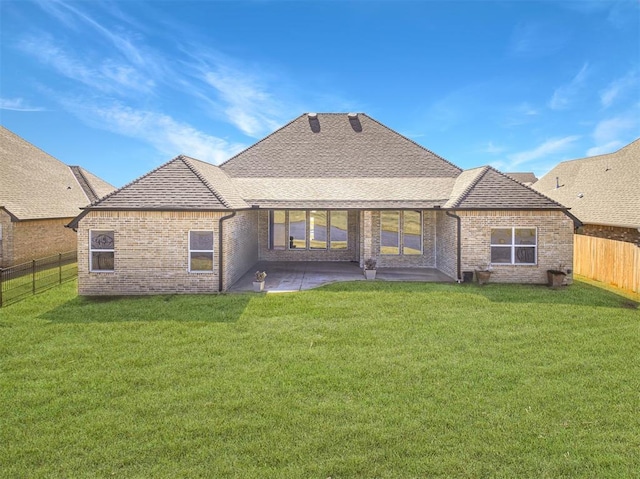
{"x":339,"y":229}
{"x":412,"y":233}
{"x":318,"y":230}
{"x":390,"y":232}
{"x":277,"y":231}
{"x":201,"y":251}
{"x":101,"y":250}
{"x":297,"y":229}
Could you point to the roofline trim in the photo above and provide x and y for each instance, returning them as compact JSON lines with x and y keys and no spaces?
{"x":205,"y":182}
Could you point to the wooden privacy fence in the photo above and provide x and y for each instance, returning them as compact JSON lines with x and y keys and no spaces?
{"x":23,"y":280}
{"x":613,"y":262}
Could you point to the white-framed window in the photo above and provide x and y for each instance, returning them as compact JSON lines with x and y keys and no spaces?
{"x":301,"y":230}
{"x":401,"y":232}
{"x":514,"y":245}
{"x":200,"y":251}
{"x":101,"y":251}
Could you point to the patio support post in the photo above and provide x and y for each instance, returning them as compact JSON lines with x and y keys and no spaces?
{"x":459,"y":246}
{"x":220,"y":252}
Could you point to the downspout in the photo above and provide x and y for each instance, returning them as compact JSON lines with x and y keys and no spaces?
{"x":459,"y":220}
{"x":220,"y":255}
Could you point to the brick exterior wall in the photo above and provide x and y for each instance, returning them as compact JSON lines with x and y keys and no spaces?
{"x":23,"y":241}
{"x":446,"y":244}
{"x":240,"y":246}
{"x":555,"y":243}
{"x":349,"y":254}
{"x":629,"y":235}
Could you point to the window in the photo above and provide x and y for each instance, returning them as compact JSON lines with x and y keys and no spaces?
{"x":101,"y":250}
{"x":390,"y":232}
{"x":401,"y":232}
{"x":339,"y":229}
{"x":297,"y":229}
{"x":513,"y":245}
{"x":277,"y":233}
{"x":312,"y":229}
{"x":317,"y":229}
{"x":201,"y":251}
{"x":412,"y":232}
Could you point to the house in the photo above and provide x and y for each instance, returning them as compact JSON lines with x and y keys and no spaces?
{"x":602,"y":191}
{"x":324,"y":187}
{"x":39,"y":196}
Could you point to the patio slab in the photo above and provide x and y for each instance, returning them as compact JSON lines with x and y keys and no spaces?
{"x":286,"y":276}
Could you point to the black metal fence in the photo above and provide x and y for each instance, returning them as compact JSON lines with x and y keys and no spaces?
{"x":22,"y":280}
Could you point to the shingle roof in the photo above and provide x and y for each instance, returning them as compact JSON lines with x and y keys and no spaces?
{"x":600,"y":189}
{"x":35,"y":185}
{"x":333,"y":145}
{"x":486,"y":187}
{"x":181,"y":184}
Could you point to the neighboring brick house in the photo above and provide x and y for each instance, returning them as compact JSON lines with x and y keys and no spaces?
{"x":325,"y":187}
{"x":602,"y":191}
{"x":39,"y":196}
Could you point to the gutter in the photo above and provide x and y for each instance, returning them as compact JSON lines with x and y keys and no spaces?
{"x":459,"y":266}
{"x":220,"y":255}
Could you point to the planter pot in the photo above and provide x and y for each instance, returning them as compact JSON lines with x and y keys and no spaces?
{"x":483,"y":276}
{"x":258,"y":286}
{"x":555,"y":279}
{"x":467,"y":276}
{"x":370,"y":273}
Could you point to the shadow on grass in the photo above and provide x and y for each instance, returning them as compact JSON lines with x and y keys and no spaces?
{"x":103,"y":309}
{"x":579,"y":293}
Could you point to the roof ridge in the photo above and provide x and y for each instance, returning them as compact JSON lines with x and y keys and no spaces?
{"x":601,"y":155}
{"x":133,"y":182}
{"x":526,"y":186}
{"x":467,"y":190}
{"x":186,"y":160}
{"x":260,"y":141}
{"x":414,"y":142}
{"x":84,"y":182}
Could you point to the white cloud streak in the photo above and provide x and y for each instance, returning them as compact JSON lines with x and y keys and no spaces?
{"x":618,"y":88}
{"x":564,"y":95}
{"x":17,"y":104}
{"x":549,"y":147}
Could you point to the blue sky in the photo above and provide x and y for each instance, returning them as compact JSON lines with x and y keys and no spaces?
{"x":122,"y":87}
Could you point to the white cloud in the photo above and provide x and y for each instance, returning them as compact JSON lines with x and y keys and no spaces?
{"x":248,"y":105}
{"x":610,"y":129}
{"x":606,"y":148}
{"x":17,"y":104}
{"x":493,"y":149}
{"x":167,"y":135}
{"x":547,"y":148}
{"x":564,"y":95}
{"x":618,"y":88}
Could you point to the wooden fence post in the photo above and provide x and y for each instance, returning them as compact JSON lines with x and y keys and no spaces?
{"x":33,"y":276}
{"x":59,"y":268}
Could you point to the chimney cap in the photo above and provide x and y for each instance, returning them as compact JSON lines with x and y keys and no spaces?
{"x":313,"y":116}
{"x":352,"y":116}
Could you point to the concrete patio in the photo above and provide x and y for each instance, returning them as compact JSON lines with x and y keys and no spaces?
{"x":286,"y":276}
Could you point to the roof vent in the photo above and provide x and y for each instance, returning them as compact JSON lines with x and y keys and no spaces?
{"x":312,"y":116}
{"x":352,"y":116}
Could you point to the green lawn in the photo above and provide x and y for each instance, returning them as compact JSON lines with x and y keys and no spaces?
{"x":366,"y":379}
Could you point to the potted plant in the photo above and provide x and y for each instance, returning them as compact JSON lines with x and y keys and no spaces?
{"x":258,"y":284}
{"x":555,"y":277}
{"x":483,"y":273}
{"x":370,"y":268}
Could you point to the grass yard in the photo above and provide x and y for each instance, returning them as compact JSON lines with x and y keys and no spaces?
{"x":366,"y":379}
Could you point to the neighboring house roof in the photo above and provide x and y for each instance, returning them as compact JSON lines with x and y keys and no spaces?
{"x":35,"y":185}
{"x":337,"y":145}
{"x":526,"y":178}
{"x":600,"y":189}
{"x":326,"y":161}
{"x":181,"y":184}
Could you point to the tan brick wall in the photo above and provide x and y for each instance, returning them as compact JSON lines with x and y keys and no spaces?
{"x":348,"y":254}
{"x":151,"y":253}
{"x":629,"y":235}
{"x":23,"y":241}
{"x":240,"y":245}
{"x":6,"y":243}
{"x":555,"y":243}
{"x":446,"y":244}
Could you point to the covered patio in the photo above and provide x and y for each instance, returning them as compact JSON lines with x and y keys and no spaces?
{"x":286,"y":276}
